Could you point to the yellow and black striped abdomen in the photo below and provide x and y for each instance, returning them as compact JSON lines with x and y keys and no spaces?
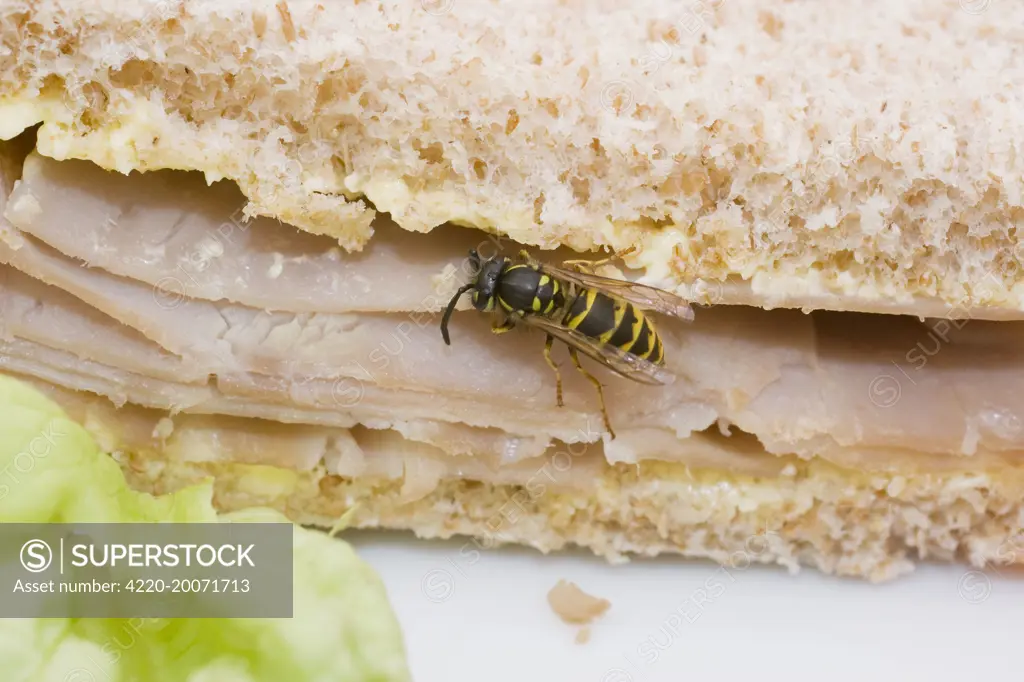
{"x":617,"y":323}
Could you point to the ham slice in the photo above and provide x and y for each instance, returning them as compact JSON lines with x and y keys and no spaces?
{"x":171,"y":230}
{"x":306,"y":350}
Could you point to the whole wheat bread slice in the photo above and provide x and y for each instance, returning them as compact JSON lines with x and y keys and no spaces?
{"x":854,"y":156}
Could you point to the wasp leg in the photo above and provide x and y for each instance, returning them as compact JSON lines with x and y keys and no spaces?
{"x":597,"y":385}
{"x":502,"y":327}
{"x":554,"y":367}
{"x":588,"y":266}
{"x":591,"y":265}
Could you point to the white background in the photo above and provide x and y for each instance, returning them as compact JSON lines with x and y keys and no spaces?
{"x":486,"y":618}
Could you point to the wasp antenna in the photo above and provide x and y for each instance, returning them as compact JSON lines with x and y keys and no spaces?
{"x":451,"y":309}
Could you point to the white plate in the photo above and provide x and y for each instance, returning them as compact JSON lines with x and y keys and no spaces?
{"x":469,"y":617}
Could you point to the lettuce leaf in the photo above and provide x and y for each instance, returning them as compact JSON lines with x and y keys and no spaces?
{"x":52,"y":471}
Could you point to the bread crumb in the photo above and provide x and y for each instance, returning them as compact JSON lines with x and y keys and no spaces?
{"x":259,"y":24}
{"x":512,"y":122}
{"x":573,"y":605}
{"x":609,"y":271}
{"x":27,"y":207}
{"x":770,"y":24}
{"x":583,"y":636}
{"x":163,"y":429}
{"x":287,"y":24}
{"x":277,"y":267}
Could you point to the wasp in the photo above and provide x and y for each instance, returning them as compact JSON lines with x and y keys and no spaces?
{"x":599,"y":316}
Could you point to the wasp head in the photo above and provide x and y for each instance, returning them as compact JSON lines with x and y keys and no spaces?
{"x":484,"y":284}
{"x":485,"y":287}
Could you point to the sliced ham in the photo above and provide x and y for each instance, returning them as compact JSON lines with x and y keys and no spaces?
{"x":800,"y":383}
{"x":170,"y":229}
{"x":824,"y":384}
{"x":34,"y":311}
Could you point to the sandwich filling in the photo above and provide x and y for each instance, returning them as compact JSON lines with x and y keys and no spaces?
{"x":169,"y":324}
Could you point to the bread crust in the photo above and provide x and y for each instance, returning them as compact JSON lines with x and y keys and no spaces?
{"x":850,"y":155}
{"x":874,"y":527}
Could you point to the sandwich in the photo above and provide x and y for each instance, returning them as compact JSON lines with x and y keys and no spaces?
{"x":230,"y":232}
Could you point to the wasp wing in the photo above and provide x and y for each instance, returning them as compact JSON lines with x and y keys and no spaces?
{"x":625,"y":364}
{"x":641,"y":295}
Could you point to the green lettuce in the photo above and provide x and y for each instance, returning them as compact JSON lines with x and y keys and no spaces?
{"x":51,"y":470}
